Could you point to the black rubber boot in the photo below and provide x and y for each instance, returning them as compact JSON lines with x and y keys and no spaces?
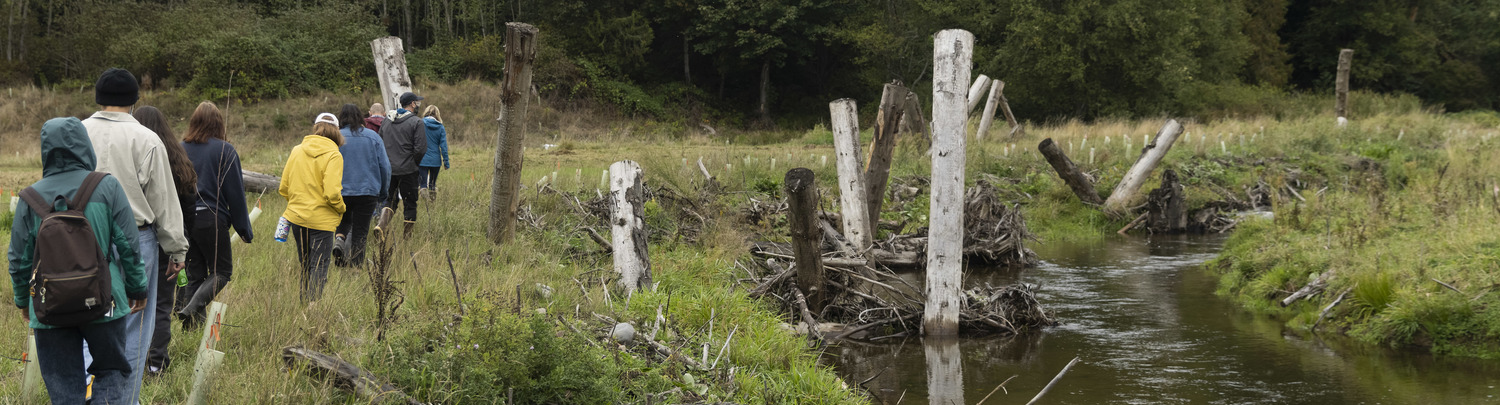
{"x":410,"y":225}
{"x":192,"y":314}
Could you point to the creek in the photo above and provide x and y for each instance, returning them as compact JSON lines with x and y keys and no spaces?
{"x":1141,"y":315}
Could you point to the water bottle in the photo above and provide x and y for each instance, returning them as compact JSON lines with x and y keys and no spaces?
{"x":182,"y":280}
{"x":282,"y":229}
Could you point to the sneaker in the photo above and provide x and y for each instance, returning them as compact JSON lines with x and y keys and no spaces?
{"x":338,"y":251}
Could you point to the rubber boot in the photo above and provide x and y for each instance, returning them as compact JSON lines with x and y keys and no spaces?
{"x":386,"y":214}
{"x":410,"y":225}
{"x":192,"y":314}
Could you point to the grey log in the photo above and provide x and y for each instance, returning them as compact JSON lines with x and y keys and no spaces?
{"x":807,"y":236}
{"x":260,"y":182}
{"x":1069,"y":172}
{"x":878,"y":166}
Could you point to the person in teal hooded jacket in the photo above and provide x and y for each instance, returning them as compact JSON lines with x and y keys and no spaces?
{"x":68,"y":157}
{"x":437,"y":153}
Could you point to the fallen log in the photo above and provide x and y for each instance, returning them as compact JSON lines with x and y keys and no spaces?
{"x":260,"y":182}
{"x":1125,"y":192}
{"x":1069,"y":172}
{"x":345,"y":376}
{"x":1312,"y":288}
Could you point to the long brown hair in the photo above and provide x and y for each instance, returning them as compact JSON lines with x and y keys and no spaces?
{"x":207,"y":122}
{"x":183,"y":175}
{"x":328,"y":131}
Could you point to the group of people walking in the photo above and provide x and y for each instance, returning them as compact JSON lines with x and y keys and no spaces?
{"x":164,"y":206}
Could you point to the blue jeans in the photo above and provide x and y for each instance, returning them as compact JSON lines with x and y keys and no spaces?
{"x":427,"y":177}
{"x":140,"y":326}
{"x":61,"y":363}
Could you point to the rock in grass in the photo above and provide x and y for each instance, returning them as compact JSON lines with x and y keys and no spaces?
{"x":623,"y":333}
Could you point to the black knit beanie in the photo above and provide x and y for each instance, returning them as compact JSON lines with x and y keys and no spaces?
{"x":117,"y":88}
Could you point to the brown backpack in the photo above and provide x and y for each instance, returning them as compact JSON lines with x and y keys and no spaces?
{"x":70,"y":280}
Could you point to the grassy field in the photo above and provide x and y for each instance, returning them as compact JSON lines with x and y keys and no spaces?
{"x":1386,"y":231}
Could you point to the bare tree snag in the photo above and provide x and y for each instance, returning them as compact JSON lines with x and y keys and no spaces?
{"x":807,"y":236}
{"x":989,"y":112}
{"x":1341,"y":84}
{"x":1125,"y":192}
{"x":857,"y":228}
{"x":915,"y":121}
{"x":505,"y":185}
{"x":878,"y":165}
{"x":1069,"y":172}
{"x":627,"y":225}
{"x":1010,"y":119}
{"x":390,"y":69}
{"x":1167,"y":206}
{"x":260,"y":182}
{"x":975,"y":91}
{"x":952,"y":61}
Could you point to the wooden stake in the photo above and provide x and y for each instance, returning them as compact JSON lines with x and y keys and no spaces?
{"x":952,"y":53}
{"x":628,"y":226}
{"x":807,"y":236}
{"x":505,"y":199}
{"x":1126,"y":191}
{"x":878,"y":169}
{"x":390,"y":70}
{"x":1341,"y":84}
{"x":852,"y":195}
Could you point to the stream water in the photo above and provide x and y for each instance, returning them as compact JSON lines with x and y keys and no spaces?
{"x":1142,"y":317}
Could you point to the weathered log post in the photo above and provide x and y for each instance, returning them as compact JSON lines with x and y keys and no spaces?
{"x":915,"y":121}
{"x":260,"y":182}
{"x":1341,"y":85}
{"x":627,"y":225}
{"x":1125,"y":192}
{"x":878,"y":166}
{"x":852,"y":196}
{"x":989,"y":112}
{"x":1010,"y":119}
{"x":952,"y":61}
{"x":390,"y":69}
{"x":1069,"y":172}
{"x":807,"y":237}
{"x":975,"y":91}
{"x":505,"y":185}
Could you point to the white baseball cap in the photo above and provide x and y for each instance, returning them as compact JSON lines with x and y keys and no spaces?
{"x":328,"y":118}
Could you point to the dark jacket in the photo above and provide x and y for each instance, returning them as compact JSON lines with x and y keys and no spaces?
{"x":373,"y":122}
{"x":437,"y":144}
{"x":221,"y":184}
{"x":68,"y":157}
{"x":405,"y":141}
{"x":367,"y":170}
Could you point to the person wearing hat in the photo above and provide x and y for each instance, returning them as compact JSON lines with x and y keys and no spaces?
{"x":135,"y":156}
{"x":405,"y":138}
{"x":312,"y":183}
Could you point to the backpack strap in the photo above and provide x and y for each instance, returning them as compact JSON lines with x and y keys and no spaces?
{"x":35,"y":200}
{"x":86,"y":190}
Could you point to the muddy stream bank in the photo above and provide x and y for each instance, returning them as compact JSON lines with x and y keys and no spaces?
{"x":1142,"y":317}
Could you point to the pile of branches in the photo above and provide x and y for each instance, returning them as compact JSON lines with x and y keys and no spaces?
{"x":995,"y":233}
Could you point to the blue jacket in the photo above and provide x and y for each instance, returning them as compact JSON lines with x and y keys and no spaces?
{"x":367,"y":169}
{"x":437,"y":145}
{"x":68,"y":157}
{"x":221,"y":184}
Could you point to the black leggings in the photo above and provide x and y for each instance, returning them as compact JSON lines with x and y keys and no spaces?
{"x":314,"y":247}
{"x":210,"y":261}
{"x":356,"y":226}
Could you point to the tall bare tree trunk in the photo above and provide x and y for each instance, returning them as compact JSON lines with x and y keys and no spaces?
{"x":878,"y":165}
{"x":505,"y":186}
{"x":952,"y":64}
{"x":687,"y":67}
{"x":390,"y":70}
{"x":845,"y":118}
{"x":765,"y":89}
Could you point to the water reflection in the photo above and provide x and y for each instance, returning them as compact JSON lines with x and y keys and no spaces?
{"x":1145,"y":321}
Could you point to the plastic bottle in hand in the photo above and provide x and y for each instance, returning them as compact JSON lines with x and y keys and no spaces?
{"x":283,"y":228}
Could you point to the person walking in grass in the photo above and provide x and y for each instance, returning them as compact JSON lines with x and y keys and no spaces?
{"x":437,"y":153}
{"x":67,"y":161}
{"x":185,"y":181}
{"x":367,"y":177}
{"x":136,"y":157}
{"x":375,"y":117}
{"x":405,"y":140}
{"x":312,"y":183}
{"x":220,"y":205}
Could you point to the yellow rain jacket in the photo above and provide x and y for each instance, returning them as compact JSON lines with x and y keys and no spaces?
{"x":312,"y":183}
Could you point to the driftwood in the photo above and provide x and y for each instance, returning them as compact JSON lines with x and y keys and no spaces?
{"x":260,"y":182}
{"x":345,"y":376}
{"x":1076,"y":180}
{"x":1053,"y":382}
{"x":994,"y":233}
{"x":1312,"y":288}
{"x":1330,"y":306}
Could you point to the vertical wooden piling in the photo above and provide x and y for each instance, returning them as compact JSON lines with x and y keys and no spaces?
{"x":627,"y":224}
{"x":851,"y":173}
{"x":807,"y":237}
{"x":914,"y":120}
{"x":390,"y":70}
{"x":1126,"y":191}
{"x":505,"y":187}
{"x":988,"y":117}
{"x":952,"y":62}
{"x":1341,"y":85}
{"x":878,"y":165}
{"x":1069,"y":172}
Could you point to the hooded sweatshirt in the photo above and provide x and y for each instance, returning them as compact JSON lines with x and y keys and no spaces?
{"x":373,"y":122}
{"x":405,"y":141}
{"x":68,"y":157}
{"x":437,"y":144}
{"x":312,"y":183}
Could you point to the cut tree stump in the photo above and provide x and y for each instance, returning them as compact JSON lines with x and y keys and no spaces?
{"x":852,"y":197}
{"x":627,"y":224}
{"x":1076,"y":180}
{"x":952,"y":63}
{"x":914,"y":121}
{"x":1130,"y":185}
{"x":345,"y":376}
{"x":807,"y":236}
{"x":1166,"y":206}
{"x":878,"y":165}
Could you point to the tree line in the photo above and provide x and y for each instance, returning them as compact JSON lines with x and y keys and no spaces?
{"x":763,"y":61}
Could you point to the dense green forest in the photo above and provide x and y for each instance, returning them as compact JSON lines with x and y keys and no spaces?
{"x":760,"y":62}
